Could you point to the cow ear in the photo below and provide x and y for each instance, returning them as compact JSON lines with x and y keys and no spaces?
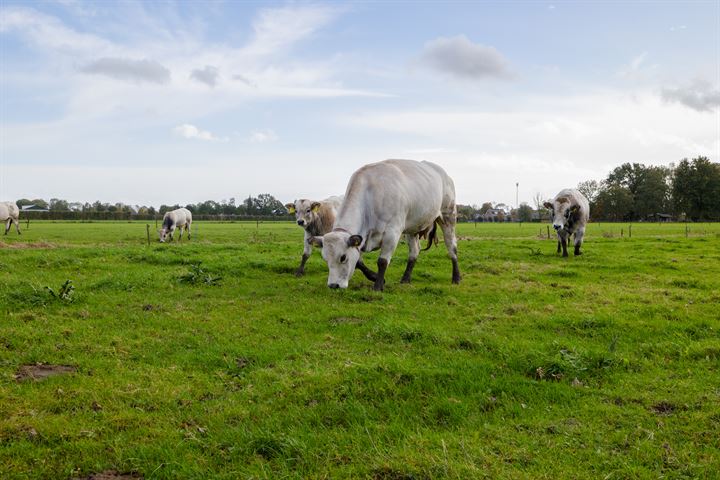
{"x":575,"y":209}
{"x":315,"y":206}
{"x":316,"y":241}
{"x":548,"y":205}
{"x":354,"y":241}
{"x":290,"y":207}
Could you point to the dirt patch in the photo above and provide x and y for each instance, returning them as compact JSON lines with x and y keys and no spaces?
{"x":41,"y":372}
{"x":663,"y":408}
{"x":110,"y":475}
{"x":22,"y":245}
{"x":346,"y":321}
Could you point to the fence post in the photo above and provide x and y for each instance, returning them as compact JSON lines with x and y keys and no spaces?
{"x":629,"y":231}
{"x":686,"y":231}
{"x":155,"y":221}
{"x":27,"y":224}
{"x":622,"y":233}
{"x":548,"y":231}
{"x":147,"y":225}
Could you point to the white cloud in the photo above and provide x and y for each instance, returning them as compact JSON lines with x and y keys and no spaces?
{"x":46,"y":31}
{"x":678,"y":28}
{"x":700,"y":95}
{"x":460,"y":57}
{"x":278,"y":28}
{"x":138,"y":71}
{"x":263,"y":136}
{"x":208,"y":75}
{"x":191,"y":131}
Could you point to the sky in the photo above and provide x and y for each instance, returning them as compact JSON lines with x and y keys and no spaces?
{"x":151,"y":103}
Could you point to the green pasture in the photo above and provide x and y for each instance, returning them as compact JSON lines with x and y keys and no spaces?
{"x":208,"y":359}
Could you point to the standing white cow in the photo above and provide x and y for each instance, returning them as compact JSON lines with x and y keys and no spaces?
{"x":383,"y":201}
{"x":10,"y":213}
{"x":570,"y":212}
{"x":178,"y":218}
{"x":316,"y":218}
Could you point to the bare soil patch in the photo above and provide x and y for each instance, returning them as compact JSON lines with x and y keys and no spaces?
{"x":23,"y":245}
{"x":41,"y":372}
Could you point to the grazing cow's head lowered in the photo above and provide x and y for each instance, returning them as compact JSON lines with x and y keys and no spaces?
{"x":305,"y":211}
{"x":167,"y":229}
{"x":341,"y":251}
{"x":563,"y":213}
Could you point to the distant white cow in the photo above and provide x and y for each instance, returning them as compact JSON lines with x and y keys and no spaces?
{"x":570,"y":212}
{"x":383,"y":201}
{"x":178,"y":218}
{"x":10,"y":213}
{"x":316,"y":218}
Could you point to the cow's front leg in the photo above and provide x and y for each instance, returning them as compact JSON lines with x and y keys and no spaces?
{"x":564,"y":242}
{"x":389,"y":244}
{"x":559,"y":249}
{"x":187,"y":229}
{"x":413,"y":242}
{"x":369,"y":274}
{"x":307,"y":250}
{"x":579,"y":240}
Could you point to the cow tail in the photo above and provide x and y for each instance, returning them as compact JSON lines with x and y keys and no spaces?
{"x":432,"y":236}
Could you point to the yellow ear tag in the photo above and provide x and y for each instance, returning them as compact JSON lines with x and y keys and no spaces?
{"x":316,"y":208}
{"x":291,"y":209}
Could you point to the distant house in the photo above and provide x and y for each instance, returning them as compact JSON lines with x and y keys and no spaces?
{"x":33,"y":208}
{"x":494,"y":215}
{"x":659,"y":217}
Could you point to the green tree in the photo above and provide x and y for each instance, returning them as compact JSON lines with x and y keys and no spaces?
{"x":614,"y":202}
{"x":524,"y":212}
{"x":696,"y":189}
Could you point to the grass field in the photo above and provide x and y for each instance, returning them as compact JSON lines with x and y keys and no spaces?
{"x":601,"y":366}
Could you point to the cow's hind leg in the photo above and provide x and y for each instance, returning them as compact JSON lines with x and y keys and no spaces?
{"x":579,"y":240}
{"x":17,"y":225}
{"x":413,"y":242}
{"x":448,"y":228}
{"x":8,"y":222}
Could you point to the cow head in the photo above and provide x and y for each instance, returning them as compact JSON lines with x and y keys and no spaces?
{"x":341,"y":251}
{"x":563,"y":214}
{"x":305,"y":211}
{"x":164,"y":232}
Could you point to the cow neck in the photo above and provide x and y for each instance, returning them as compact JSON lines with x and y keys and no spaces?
{"x":351,"y":215}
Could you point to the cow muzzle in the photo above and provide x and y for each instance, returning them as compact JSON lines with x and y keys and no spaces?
{"x":333,"y":285}
{"x":301,"y":222}
{"x":557,"y":227}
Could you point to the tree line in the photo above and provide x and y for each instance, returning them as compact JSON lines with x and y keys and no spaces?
{"x":689,"y":190}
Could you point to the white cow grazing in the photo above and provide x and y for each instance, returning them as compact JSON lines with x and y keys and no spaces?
{"x":178,"y":218}
{"x":570,"y":212}
{"x":10,"y":213}
{"x":383,"y":201}
{"x":316,"y":218}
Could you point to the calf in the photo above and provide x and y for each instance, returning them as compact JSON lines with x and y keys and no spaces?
{"x":570,"y":212}
{"x":10,"y":213}
{"x":179,"y":218}
{"x":316,"y":218}
{"x":383,"y":201}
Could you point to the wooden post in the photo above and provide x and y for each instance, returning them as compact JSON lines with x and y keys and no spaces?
{"x":548,"y":231}
{"x":686,"y":231}
{"x":622,"y":233}
{"x":147,"y":225}
{"x":155,"y":221}
{"x":629,"y":231}
{"x":257,"y":224}
{"x":27,"y":224}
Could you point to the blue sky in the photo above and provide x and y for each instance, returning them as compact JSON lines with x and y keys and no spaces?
{"x":179,"y":102}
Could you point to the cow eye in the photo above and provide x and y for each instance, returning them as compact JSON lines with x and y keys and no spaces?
{"x":343,"y":258}
{"x":307,"y":211}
